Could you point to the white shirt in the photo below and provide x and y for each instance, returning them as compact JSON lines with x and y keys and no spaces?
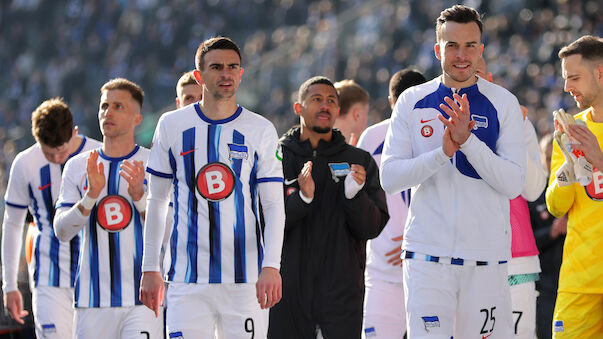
{"x":460,"y":206}
{"x":372,"y":140}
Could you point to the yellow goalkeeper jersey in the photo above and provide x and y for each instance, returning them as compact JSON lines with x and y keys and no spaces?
{"x":582,"y":267}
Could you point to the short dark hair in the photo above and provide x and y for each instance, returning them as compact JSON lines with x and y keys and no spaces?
{"x":404,"y":79}
{"x":303,"y":89}
{"x":589,"y":47}
{"x":186,"y":79}
{"x":52,"y":123}
{"x":461,"y":14}
{"x":125,"y":85}
{"x":211,"y":44}
{"x":350,"y":93}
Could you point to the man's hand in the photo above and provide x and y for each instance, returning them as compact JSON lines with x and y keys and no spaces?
{"x":394,"y":255}
{"x":448,"y":145}
{"x":13,"y":301}
{"x":459,"y":122}
{"x":587,"y":143}
{"x":558,"y":227}
{"x":151,"y":291}
{"x":133,"y":172}
{"x":305,"y":181}
{"x":269,"y":288}
{"x":358,"y":173}
{"x":96,"y":175}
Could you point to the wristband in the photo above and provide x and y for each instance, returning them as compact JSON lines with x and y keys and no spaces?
{"x":141,"y":204}
{"x":87,"y":202}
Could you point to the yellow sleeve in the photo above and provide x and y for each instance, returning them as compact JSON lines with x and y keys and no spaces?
{"x":558,"y":199}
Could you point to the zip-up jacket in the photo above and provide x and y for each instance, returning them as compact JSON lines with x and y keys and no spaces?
{"x":324,"y":255}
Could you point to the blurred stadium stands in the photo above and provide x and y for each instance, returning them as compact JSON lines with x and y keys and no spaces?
{"x":69,"y":48}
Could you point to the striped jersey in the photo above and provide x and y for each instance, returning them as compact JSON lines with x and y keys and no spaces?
{"x":372,"y":140}
{"x":110,"y":260}
{"x":215,"y":167}
{"x":582,"y":266}
{"x":34,"y":183}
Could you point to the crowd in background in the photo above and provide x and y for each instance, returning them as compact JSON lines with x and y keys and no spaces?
{"x":69,"y":48}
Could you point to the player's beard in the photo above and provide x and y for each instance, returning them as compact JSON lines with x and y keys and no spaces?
{"x":321,"y":130}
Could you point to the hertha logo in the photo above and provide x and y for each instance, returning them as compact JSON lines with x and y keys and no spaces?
{"x":114,"y":213}
{"x":427,"y":131}
{"x":215,"y":181}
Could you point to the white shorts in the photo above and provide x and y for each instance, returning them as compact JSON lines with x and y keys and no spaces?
{"x":384,"y":312}
{"x":464,"y":301}
{"x":118,"y":322}
{"x":53,"y":311}
{"x":523,"y":297}
{"x":215,"y":310}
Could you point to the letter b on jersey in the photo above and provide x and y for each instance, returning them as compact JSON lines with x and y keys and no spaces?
{"x":215,"y":181}
{"x":114,"y":213}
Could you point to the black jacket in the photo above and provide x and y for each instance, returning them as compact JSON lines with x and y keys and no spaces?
{"x":324,"y":254}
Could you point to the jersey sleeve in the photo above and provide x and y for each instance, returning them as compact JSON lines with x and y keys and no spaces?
{"x":535,"y":173}
{"x":400,"y":168}
{"x":270,"y":166}
{"x":12,"y":240}
{"x":159,"y":162}
{"x":70,"y":194}
{"x":17,"y":191}
{"x":504,"y":170}
{"x":558,"y":199}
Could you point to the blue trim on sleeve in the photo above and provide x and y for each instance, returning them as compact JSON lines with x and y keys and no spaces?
{"x":270,"y":179}
{"x":64,"y":204}
{"x":14,"y":205}
{"x":159,"y":174}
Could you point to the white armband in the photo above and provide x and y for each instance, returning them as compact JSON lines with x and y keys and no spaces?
{"x":87,"y":202}
{"x":141,"y":204}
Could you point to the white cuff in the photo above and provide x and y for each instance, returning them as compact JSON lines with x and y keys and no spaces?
{"x":87,"y":202}
{"x":351,"y":187}
{"x":304,"y":198}
{"x":141,"y":205}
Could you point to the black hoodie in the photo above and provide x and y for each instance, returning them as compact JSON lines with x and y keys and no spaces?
{"x":324,"y":254}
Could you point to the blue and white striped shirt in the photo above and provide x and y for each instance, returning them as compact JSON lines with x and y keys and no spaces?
{"x":110,"y":263}
{"x":215,"y":167}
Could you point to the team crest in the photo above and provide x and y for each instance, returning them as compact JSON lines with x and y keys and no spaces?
{"x":430,"y":322}
{"x":215,"y":181}
{"x":114,"y":213}
{"x":480,"y":121}
{"x":236,"y":151}
{"x":558,"y":326}
{"x":427,"y":131}
{"x":340,"y":169}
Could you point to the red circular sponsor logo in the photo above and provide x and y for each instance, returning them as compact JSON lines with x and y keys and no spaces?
{"x":291,"y":190}
{"x":426,"y":131}
{"x":215,"y":181}
{"x":594,"y":190}
{"x":114,"y":213}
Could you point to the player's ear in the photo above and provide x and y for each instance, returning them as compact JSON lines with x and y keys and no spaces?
{"x":241,"y":71}
{"x":297,"y":107}
{"x":177,"y":102}
{"x":198,"y":77}
{"x":436,"y":50}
